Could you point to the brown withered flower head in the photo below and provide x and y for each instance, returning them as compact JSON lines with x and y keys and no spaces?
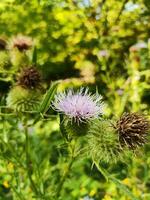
{"x":133,"y":130}
{"x":3,"y":44}
{"x":30,"y":78}
{"x":22,"y":43}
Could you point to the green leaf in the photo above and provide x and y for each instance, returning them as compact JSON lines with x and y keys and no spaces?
{"x":47,"y":99}
{"x":117,"y":182}
{"x":34,"y":56}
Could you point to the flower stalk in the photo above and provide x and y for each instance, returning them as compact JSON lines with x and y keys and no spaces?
{"x":64,"y":177}
{"x":28,"y":166}
{"x":67,"y":172}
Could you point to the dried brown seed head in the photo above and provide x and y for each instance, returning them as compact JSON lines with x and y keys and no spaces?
{"x":22,"y":43}
{"x":30,"y":78}
{"x":133,"y":130}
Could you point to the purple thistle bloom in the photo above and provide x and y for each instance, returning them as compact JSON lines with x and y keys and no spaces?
{"x":80,"y":105}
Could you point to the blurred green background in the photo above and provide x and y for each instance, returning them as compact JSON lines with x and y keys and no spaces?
{"x":103,"y":44}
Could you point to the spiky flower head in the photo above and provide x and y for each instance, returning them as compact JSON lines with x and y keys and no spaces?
{"x":30,"y":78}
{"x":133,"y":130}
{"x":3,"y":44}
{"x":79,"y":106}
{"x":103,"y":142}
{"x":22,"y":99}
{"x":22,"y":43}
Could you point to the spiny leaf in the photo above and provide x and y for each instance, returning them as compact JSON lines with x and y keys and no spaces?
{"x":117,"y":182}
{"x":123,"y":188}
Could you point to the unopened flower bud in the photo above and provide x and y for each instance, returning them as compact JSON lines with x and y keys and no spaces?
{"x":21,"y":99}
{"x":104,"y":142}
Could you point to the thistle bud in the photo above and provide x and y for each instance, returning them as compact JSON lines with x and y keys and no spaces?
{"x":26,"y":95}
{"x":22,"y":99}
{"x":103,"y":142}
{"x":30,"y":78}
{"x":19,"y":47}
{"x":133,"y":130}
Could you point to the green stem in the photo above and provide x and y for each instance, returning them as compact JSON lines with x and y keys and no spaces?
{"x":64,"y":177}
{"x":33,"y":186}
{"x":73,"y":155}
{"x":7,"y":114}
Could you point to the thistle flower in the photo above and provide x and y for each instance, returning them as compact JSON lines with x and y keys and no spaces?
{"x":103,"y":142}
{"x":30,"y":78}
{"x":133,"y":130}
{"x":79,"y":106}
{"x":22,"y":43}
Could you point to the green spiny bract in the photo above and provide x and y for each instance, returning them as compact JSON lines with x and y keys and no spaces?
{"x":5,"y":62}
{"x":133,"y":130}
{"x":103,"y":142}
{"x":76,"y":129}
{"x":71,"y":129}
{"x":21,"y":99}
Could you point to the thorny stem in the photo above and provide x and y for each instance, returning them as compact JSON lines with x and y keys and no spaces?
{"x":62,"y":181}
{"x":33,"y":186}
{"x":65,"y":175}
